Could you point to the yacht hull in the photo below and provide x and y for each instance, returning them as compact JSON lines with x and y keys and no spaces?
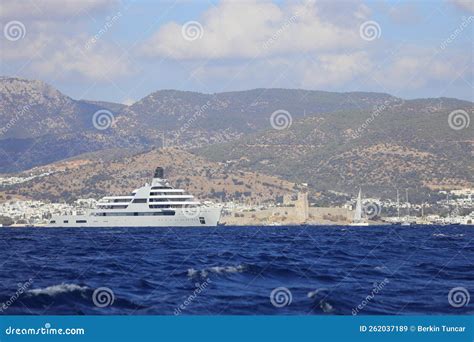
{"x":205,"y":217}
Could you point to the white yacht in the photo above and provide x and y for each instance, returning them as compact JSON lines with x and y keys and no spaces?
{"x":154,"y":205}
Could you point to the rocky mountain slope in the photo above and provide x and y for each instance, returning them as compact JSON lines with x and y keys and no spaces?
{"x":330,"y":140}
{"x":41,"y":125}
{"x":31,"y":109}
{"x":407,"y":145}
{"x":95,"y":176}
{"x":189,"y":118}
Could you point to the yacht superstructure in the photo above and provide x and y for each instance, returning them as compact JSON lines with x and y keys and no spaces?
{"x":153,"y":205}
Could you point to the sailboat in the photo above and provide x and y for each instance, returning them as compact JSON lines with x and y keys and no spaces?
{"x":358,"y":220}
{"x":398,"y":222}
{"x":406,"y":221}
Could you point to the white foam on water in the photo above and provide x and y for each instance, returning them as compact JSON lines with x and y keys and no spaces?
{"x":382,"y":269}
{"x":216,"y":269}
{"x":313,"y":294}
{"x":447,"y":235}
{"x":55,"y":289}
{"x":326,"y":307}
{"x":192,"y":272}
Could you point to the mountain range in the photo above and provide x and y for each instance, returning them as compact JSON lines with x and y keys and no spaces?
{"x":338,"y":141}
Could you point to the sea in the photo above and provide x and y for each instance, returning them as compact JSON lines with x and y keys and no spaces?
{"x":279,"y":270}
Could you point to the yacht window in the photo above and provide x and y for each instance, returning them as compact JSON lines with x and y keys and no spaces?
{"x":139,"y":200}
{"x":159,"y":206}
{"x":167,"y":213}
{"x":66,"y":221}
{"x":81,"y":221}
{"x":159,"y":213}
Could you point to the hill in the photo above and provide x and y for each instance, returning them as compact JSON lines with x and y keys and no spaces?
{"x":409,"y":144}
{"x":41,"y":125}
{"x":337,"y":141}
{"x":96,"y":176}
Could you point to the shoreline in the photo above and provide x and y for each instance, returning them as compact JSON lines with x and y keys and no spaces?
{"x":316,"y":225}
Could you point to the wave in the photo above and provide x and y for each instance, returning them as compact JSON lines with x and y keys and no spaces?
{"x":313,"y":294}
{"x":243,"y":266}
{"x":448,"y":235}
{"x":322,"y":295}
{"x":78,"y":299}
{"x":215,"y":269}
{"x":382,"y":269}
{"x":57,"y":289}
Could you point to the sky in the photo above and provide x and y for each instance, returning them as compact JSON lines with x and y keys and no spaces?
{"x":121,"y":51}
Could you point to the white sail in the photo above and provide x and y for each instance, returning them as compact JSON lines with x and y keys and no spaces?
{"x":358,"y":210}
{"x":358,"y":220}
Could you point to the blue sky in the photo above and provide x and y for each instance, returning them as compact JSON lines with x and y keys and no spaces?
{"x":123,"y":50}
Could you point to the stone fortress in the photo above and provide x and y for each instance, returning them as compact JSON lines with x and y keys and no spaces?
{"x":294,"y":211}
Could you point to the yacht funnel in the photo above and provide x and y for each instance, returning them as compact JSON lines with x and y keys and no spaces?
{"x":159,"y":173}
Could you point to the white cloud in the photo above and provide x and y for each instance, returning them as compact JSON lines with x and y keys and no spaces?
{"x":318,"y":72}
{"x":101,"y":61}
{"x":466,"y":5}
{"x":54,"y":44}
{"x":412,"y":69}
{"x":251,"y":29}
{"x":415,"y":70}
{"x":29,"y":47}
{"x":335,"y":69}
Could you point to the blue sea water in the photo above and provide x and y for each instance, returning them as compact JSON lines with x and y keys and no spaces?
{"x":238,"y":270}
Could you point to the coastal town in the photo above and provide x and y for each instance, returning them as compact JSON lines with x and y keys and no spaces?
{"x":457,"y":207}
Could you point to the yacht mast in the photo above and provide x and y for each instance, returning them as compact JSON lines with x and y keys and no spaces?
{"x":398,"y":205}
{"x":408,"y":203}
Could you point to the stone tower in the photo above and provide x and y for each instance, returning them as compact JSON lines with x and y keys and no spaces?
{"x":302,"y":206}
